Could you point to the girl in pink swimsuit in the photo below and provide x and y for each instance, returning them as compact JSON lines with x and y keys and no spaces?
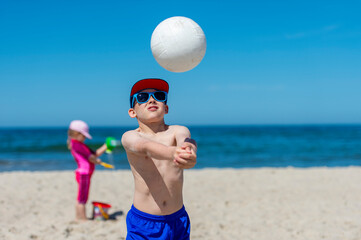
{"x":86,"y":160}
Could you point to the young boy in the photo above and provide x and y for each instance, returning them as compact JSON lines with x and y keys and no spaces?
{"x":157,"y":154}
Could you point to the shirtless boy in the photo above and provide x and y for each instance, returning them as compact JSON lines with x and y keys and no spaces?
{"x":157,"y":154}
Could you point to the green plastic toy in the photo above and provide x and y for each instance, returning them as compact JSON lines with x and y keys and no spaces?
{"x":111,"y":144}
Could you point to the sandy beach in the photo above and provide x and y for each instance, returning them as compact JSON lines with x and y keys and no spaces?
{"x":266,"y":203}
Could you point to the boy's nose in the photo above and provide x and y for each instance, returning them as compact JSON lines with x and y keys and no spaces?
{"x":151,"y":99}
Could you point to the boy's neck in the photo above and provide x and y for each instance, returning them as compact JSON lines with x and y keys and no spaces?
{"x":152,"y":128}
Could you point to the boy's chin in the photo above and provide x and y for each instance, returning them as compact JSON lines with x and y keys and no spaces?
{"x":152,"y":119}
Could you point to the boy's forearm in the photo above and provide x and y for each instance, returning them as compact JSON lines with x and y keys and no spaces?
{"x":159,"y":151}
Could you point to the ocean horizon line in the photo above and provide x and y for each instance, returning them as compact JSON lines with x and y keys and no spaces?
{"x":199,"y":125}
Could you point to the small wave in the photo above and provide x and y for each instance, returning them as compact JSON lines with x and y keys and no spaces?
{"x":51,"y":148}
{"x":4,"y":162}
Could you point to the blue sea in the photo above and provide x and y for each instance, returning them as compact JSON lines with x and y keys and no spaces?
{"x":44,"y":149}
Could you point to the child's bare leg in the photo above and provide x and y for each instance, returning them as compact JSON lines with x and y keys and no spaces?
{"x":80,"y":211}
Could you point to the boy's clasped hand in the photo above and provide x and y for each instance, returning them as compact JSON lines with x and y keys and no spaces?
{"x":185,"y":156}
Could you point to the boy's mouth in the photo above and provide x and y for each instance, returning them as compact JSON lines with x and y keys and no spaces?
{"x":152,"y":108}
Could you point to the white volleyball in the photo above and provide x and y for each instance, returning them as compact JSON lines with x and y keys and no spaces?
{"x":178,"y":44}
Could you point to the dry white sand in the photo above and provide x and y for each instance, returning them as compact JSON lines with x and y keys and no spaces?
{"x":269,"y":203}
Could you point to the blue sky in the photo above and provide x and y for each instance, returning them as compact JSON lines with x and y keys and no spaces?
{"x":267,"y":62}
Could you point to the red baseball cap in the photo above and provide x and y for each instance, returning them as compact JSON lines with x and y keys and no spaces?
{"x":155,"y":83}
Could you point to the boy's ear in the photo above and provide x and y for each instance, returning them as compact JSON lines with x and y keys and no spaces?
{"x":166,"y":109}
{"x":132,"y":113}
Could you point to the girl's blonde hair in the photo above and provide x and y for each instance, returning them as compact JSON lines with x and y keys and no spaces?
{"x":71,"y":134}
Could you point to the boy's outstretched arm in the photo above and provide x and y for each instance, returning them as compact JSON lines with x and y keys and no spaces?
{"x":186,"y":156}
{"x":134,"y":143}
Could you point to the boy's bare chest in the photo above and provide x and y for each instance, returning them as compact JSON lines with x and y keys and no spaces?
{"x":164,"y":138}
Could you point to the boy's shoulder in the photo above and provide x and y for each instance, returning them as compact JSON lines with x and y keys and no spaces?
{"x":129,"y":138}
{"x":179,"y":128}
{"x":130,"y":133}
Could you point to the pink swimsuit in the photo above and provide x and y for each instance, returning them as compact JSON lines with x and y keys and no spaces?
{"x":81,"y":154}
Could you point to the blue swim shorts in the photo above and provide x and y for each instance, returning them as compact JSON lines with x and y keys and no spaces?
{"x":141,"y":225}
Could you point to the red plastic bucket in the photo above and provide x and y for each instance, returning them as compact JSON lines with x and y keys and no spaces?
{"x":100,"y":210}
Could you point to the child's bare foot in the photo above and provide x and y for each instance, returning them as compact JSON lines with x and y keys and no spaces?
{"x":82,"y":219}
